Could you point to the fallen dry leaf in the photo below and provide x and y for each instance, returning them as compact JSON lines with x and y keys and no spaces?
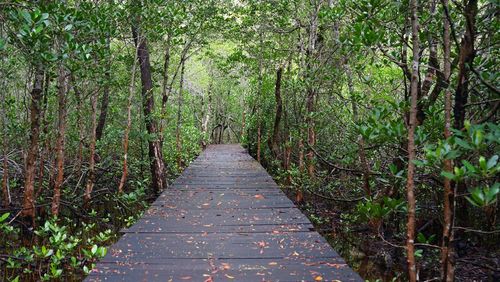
{"x":318,"y":278}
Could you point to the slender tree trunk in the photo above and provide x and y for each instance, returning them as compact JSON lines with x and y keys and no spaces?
{"x":5,"y":179}
{"x":300,"y":196}
{"x":155,"y":154}
{"x":81,"y":129}
{"x":6,"y":199}
{"x":260,"y":94}
{"x":287,"y":161}
{"x":45,"y":133}
{"x":311,"y":91}
{"x":131,"y":91}
{"x":466,"y":58}
{"x":91,"y":173}
{"x":259,"y":140}
{"x":105,"y":95}
{"x":311,"y":135}
{"x":410,"y":184}
{"x":178,"y":140}
{"x":61,"y":131}
{"x":465,"y":63}
{"x":361,"y":141}
{"x":287,"y":155}
{"x":431,"y":71}
{"x":243,"y":124}
{"x":447,"y":267}
{"x":165,"y":88}
{"x":28,"y":210}
{"x":301,"y":154}
{"x":206,"y":117}
{"x":273,"y":144}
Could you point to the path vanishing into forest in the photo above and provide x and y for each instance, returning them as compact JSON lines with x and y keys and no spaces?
{"x":223,"y":219}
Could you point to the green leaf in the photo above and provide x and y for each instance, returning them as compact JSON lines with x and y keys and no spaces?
{"x":482,"y":163}
{"x":478,"y":137}
{"x":419,"y":163}
{"x":448,"y":175}
{"x":4,"y":216}
{"x":26,"y":16}
{"x":419,"y":253}
{"x":49,"y":253}
{"x":469,"y":166}
{"x":421,"y":238}
{"x":463,"y":144}
{"x":94,"y":249}
{"x":492,"y":162}
{"x":102,"y":251}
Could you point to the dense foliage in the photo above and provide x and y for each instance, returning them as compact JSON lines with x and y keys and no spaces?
{"x":378,"y":117}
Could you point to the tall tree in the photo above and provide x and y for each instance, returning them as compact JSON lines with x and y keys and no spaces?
{"x":29,"y":179}
{"x":157,"y":166}
{"x":447,"y":267}
{"x":63,"y":82}
{"x":274,"y":140}
{"x":410,"y":182}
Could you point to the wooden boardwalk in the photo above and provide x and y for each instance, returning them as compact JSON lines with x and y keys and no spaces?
{"x":223,"y":219}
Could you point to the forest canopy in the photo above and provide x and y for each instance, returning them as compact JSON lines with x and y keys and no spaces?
{"x":379,"y":118}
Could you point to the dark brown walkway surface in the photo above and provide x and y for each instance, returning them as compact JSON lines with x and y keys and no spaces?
{"x":223,"y":219}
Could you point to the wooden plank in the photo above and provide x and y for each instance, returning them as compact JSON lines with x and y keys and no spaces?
{"x":223,"y":219}
{"x":229,"y":270}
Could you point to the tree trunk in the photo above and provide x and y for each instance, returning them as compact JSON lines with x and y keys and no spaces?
{"x":361,"y":141}
{"x":259,"y":140}
{"x":61,"y":131}
{"x":243,"y":124}
{"x":105,"y":96}
{"x":466,"y":58}
{"x":165,"y":88}
{"x":81,"y":130}
{"x":260,"y":94}
{"x":206,"y":118}
{"x":178,"y":140}
{"x":311,"y":91}
{"x":155,"y":154}
{"x":301,"y":154}
{"x":91,"y":174}
{"x":28,"y":210}
{"x":131,"y":91}
{"x":410,"y":184}
{"x":447,"y":267}
{"x":6,"y":199}
{"x":311,"y":135}
{"x":273,"y":142}
{"x":465,"y":62}
{"x":45,"y":133}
